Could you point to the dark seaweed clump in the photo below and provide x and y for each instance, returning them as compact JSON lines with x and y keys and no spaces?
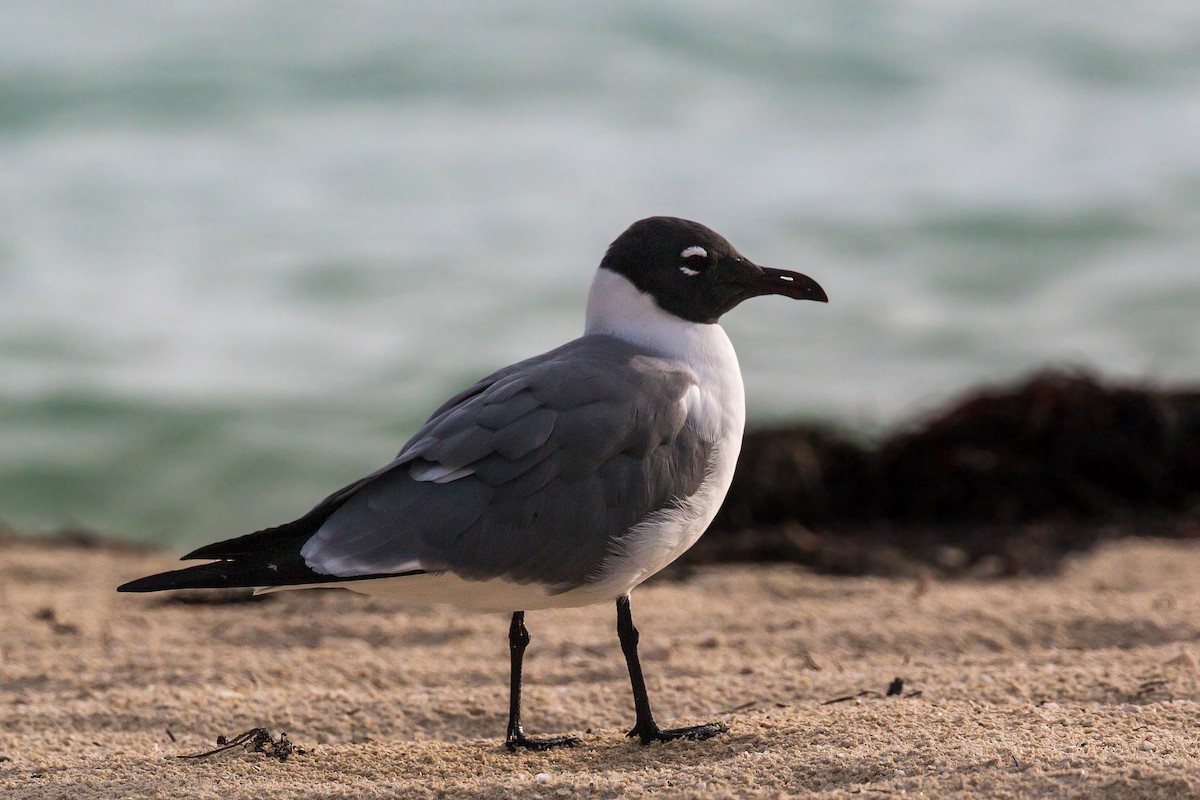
{"x":1005,"y":481}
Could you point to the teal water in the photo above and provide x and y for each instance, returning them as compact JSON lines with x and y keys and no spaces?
{"x":246,"y":247}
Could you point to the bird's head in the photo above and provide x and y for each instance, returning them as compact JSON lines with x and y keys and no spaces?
{"x":694,"y":272}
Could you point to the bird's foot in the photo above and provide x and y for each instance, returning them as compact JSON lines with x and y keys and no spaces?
{"x":696,"y":733}
{"x":520,"y":740}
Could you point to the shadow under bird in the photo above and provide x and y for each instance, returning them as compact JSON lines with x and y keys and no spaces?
{"x":563,"y":480}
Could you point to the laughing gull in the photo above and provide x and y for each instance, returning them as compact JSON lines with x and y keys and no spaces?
{"x":563,"y":480}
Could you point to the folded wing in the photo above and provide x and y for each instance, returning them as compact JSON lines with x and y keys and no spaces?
{"x":534,"y":474}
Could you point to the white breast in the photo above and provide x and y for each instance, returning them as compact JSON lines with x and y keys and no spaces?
{"x":716,"y":407}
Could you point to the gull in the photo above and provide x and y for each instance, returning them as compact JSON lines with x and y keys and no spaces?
{"x":563,"y":480}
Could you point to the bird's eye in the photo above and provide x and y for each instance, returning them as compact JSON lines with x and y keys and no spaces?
{"x":696,"y":252}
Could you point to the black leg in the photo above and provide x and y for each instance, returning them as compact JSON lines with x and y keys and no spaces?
{"x":645,"y":727}
{"x":518,"y":640}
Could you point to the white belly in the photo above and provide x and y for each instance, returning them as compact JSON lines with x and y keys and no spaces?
{"x":665,"y":535}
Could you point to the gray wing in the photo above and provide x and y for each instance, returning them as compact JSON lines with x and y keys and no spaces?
{"x":533,"y":474}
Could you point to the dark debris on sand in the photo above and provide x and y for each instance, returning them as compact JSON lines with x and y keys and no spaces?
{"x":1006,"y":481}
{"x":255,"y":740}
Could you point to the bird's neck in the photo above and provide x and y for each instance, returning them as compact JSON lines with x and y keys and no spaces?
{"x":617,"y":308}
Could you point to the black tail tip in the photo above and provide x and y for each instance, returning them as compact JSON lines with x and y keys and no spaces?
{"x":140,"y":585}
{"x":152,"y":583}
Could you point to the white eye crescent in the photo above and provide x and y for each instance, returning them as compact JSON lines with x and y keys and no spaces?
{"x":692,"y":252}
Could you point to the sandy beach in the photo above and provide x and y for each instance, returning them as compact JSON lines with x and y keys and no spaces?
{"x":1082,"y":685}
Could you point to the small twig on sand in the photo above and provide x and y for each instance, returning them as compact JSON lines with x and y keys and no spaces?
{"x":848,"y":697}
{"x":894,"y":689}
{"x":742,"y":707}
{"x":255,"y":740}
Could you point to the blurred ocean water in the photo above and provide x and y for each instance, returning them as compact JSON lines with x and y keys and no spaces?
{"x":246,"y":247}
